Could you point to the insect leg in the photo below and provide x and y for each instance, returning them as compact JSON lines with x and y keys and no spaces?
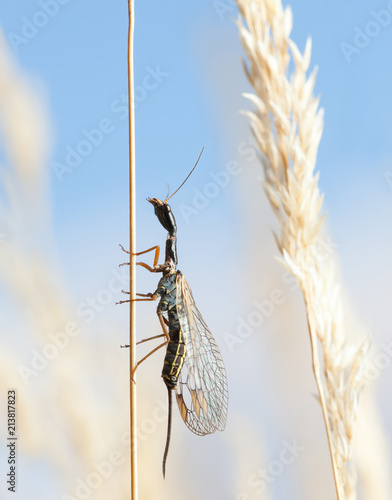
{"x":149,"y":268}
{"x":146,"y":340}
{"x":149,"y":299}
{"x":145,"y":357}
{"x":150,"y":338}
{"x":164,"y":323}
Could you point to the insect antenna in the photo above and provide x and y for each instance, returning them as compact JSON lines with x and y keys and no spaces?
{"x":187,"y":177}
{"x":169,"y":422}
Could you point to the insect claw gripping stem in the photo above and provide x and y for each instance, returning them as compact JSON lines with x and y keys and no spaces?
{"x":123,"y":249}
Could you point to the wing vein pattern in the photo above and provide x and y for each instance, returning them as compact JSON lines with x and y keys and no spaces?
{"x":202,"y":393}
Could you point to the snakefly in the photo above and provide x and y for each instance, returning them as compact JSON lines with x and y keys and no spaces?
{"x":193,"y":368}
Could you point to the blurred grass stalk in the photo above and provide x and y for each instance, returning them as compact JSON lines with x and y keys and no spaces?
{"x":287,"y":124}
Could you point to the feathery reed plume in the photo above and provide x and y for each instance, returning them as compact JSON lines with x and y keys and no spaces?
{"x":287,"y":124}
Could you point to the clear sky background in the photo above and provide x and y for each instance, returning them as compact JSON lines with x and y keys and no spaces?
{"x":189,"y":81}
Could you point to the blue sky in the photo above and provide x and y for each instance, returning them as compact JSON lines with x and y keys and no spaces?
{"x":189,"y":82}
{"x":79,"y":56}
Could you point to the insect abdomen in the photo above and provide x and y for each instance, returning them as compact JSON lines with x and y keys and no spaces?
{"x":175,"y":352}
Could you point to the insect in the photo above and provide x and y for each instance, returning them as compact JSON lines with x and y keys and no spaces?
{"x":193,"y":367}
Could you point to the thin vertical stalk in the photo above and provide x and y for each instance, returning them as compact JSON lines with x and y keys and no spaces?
{"x":132,"y":249}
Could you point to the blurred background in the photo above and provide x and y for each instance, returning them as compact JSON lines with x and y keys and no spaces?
{"x":64,"y":211}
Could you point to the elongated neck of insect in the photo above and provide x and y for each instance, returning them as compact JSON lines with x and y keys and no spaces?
{"x":171,"y":249}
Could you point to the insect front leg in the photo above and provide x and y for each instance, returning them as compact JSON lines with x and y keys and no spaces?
{"x":155,"y":268}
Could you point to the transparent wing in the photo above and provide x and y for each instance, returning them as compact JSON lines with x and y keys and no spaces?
{"x":202,"y":394}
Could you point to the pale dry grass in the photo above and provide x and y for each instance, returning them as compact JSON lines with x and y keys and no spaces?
{"x":287,"y":124}
{"x":248,"y":450}
{"x":61,"y":425}
{"x":372,"y":453}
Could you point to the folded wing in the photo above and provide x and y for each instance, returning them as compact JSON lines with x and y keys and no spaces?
{"x":202,"y":394}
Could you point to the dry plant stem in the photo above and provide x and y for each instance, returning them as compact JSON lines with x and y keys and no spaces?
{"x":320,"y":388}
{"x":132,"y":247}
